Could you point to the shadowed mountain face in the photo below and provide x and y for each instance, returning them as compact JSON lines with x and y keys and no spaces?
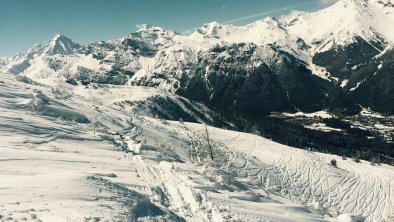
{"x":61,"y":45}
{"x":372,"y":84}
{"x":242,"y":81}
{"x":377,"y":88}
{"x":364,"y":75}
{"x":341,"y":61}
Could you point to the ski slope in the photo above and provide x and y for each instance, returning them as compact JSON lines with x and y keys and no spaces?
{"x":76,"y":153}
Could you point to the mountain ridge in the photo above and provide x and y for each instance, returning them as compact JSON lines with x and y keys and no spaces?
{"x":154,"y":56}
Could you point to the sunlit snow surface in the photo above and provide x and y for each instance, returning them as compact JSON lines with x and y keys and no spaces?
{"x":62,"y":159}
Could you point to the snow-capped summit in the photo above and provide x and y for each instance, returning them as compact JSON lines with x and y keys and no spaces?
{"x":62,"y":45}
{"x":264,"y":32}
{"x":260,"y":32}
{"x":214,"y":30}
{"x":39,"y":57}
{"x":147,"y":28}
{"x":157,"y":37}
{"x":342,"y":22}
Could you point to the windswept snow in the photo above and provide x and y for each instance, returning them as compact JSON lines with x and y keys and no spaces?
{"x":119,"y":165}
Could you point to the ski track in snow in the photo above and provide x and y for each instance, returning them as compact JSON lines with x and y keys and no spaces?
{"x":53,"y":168}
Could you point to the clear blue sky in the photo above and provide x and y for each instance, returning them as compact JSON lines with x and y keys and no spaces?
{"x":25,"y":22}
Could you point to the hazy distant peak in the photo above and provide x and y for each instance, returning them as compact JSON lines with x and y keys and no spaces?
{"x":61,"y":44}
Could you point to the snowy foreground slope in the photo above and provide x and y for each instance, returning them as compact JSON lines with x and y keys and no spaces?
{"x":75,"y":153}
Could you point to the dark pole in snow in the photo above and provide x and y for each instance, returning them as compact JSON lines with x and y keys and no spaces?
{"x":209,"y":144}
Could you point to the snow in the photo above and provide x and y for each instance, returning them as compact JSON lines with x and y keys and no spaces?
{"x":341,"y":22}
{"x":369,"y":112}
{"x":321,"y":114}
{"x":124,"y":166}
{"x":322,"y":127}
{"x":349,"y":218}
{"x":357,"y":85}
{"x":3,"y":62}
{"x":62,"y":45}
{"x":383,"y":127}
{"x":319,"y":71}
{"x":344,"y":83}
{"x":72,"y":153}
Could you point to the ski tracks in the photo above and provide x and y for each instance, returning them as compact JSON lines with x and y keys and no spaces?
{"x":309,"y":178}
{"x":175,"y":190}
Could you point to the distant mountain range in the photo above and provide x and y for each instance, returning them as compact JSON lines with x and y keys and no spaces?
{"x":340,"y":58}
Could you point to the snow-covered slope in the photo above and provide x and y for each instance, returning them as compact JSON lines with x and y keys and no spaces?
{"x":262,"y":32}
{"x":86,"y":153}
{"x":342,"y":22}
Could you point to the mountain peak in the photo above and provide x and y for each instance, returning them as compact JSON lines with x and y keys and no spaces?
{"x":214,"y":29}
{"x":62,"y":45}
{"x":270,"y":19}
{"x":340,"y":23}
{"x":58,"y":36}
{"x":213,"y":25}
{"x":146,"y":28}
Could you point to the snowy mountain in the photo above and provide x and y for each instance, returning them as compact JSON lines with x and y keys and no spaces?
{"x":338,"y":25}
{"x":61,"y":45}
{"x":342,"y":23}
{"x":153,"y":126}
{"x":337,"y":59}
{"x":95,"y":153}
{"x":354,"y":31}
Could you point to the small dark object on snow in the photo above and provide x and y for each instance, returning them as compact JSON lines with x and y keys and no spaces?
{"x":333,"y":163}
{"x":85,"y":83}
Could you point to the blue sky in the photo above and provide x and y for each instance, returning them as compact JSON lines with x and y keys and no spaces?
{"x":25,"y":22}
